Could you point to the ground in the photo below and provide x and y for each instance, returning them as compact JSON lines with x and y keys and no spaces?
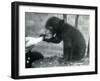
{"x":52,"y":54}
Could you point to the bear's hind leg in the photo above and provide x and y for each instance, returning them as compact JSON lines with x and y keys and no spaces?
{"x":78,"y":53}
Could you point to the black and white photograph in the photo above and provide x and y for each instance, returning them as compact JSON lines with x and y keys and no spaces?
{"x":51,"y":40}
{"x":56,"y":40}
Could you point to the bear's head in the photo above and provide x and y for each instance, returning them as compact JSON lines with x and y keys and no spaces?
{"x":53,"y":25}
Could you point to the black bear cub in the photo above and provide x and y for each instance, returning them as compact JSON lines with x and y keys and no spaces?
{"x":56,"y":30}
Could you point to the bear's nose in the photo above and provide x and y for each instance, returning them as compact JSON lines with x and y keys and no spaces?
{"x":47,"y":31}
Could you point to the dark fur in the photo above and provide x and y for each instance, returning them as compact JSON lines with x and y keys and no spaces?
{"x":73,"y":40}
{"x":31,"y":57}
